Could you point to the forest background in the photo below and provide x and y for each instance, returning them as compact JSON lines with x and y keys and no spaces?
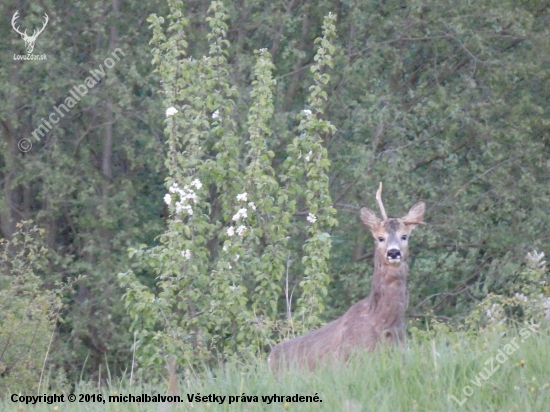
{"x":441,"y":101}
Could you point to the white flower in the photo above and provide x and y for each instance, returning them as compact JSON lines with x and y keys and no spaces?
{"x":306,"y":112}
{"x":233,"y":287}
{"x":191,"y":195}
{"x":224,"y":248}
{"x":534,"y":259}
{"x":308,"y":156}
{"x":171,"y":111}
{"x":521,"y":296}
{"x":252,"y":205}
{"x":240,"y":230}
{"x":167,"y":198}
{"x":229,"y":266}
{"x":239,"y":214}
{"x":236,"y":258}
{"x":196,"y":183}
{"x":216,"y":115}
{"x":230,"y":231}
{"x":180,"y":207}
{"x":242,"y":197}
{"x":186,"y":254}
{"x":185,"y":195}
{"x":311,"y":218}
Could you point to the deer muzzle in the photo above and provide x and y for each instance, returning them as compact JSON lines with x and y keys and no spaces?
{"x":393,"y":255}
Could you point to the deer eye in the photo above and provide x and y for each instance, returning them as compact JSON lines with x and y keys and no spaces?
{"x":404,"y":237}
{"x":381,"y":239}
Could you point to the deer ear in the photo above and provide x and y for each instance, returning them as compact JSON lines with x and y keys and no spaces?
{"x":414,"y":217}
{"x":369,"y":218}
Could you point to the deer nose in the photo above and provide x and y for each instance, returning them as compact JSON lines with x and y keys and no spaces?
{"x":394,"y":254}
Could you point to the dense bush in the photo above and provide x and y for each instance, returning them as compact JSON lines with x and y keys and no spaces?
{"x":28,"y":311}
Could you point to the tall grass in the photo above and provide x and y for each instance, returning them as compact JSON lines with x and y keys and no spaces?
{"x":422,"y":377}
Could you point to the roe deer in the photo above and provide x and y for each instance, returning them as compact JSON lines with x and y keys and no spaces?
{"x":378,"y":319}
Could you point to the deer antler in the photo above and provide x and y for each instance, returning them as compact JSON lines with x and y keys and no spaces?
{"x":37,"y":32}
{"x":380,"y":204}
{"x":14,"y":18}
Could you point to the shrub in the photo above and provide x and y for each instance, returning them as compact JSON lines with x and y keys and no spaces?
{"x":28,"y":312}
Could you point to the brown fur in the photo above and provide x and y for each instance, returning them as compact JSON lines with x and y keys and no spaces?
{"x":378,"y":319}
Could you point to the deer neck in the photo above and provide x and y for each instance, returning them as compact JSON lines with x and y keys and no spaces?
{"x":386,"y":273}
{"x":389,"y":286}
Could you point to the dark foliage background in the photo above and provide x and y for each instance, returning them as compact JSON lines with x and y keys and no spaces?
{"x":442,"y":101}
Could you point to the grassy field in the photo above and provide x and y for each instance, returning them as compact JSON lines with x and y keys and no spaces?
{"x":491,"y":372}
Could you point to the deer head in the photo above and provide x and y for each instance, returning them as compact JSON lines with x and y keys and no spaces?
{"x":29,"y":40}
{"x":392,"y":234}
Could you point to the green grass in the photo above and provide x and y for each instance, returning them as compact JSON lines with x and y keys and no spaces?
{"x":420,"y":378}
